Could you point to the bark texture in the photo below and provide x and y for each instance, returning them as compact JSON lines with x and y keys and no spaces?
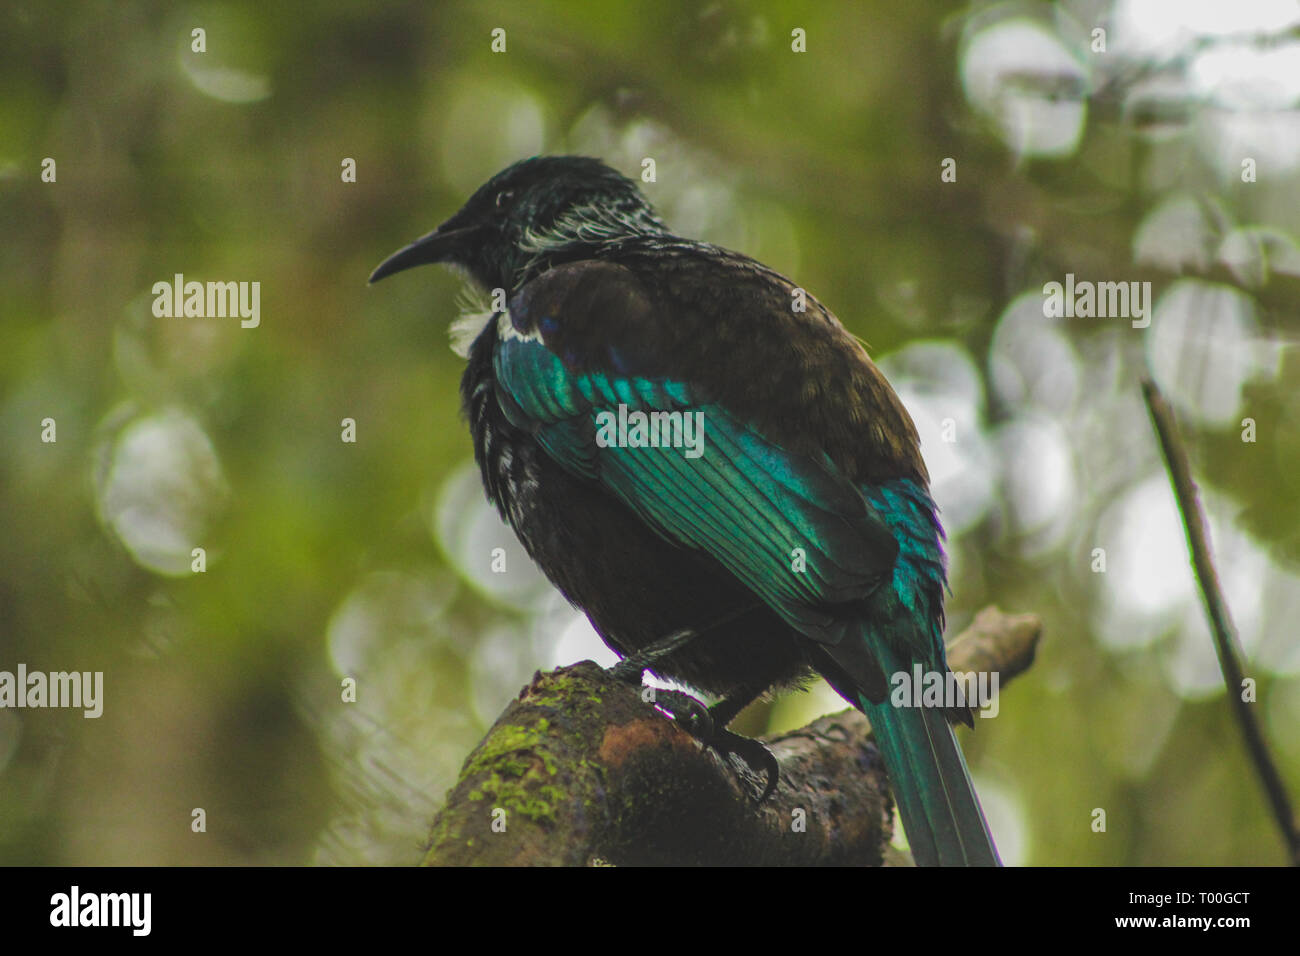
{"x":579,"y":770}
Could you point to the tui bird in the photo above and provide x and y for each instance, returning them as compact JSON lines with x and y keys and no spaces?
{"x":701,"y":458}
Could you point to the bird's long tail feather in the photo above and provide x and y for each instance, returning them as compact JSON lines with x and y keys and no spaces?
{"x":941,"y":814}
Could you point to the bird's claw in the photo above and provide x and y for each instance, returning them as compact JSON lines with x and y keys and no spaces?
{"x":697,"y":720}
{"x":755,"y":756}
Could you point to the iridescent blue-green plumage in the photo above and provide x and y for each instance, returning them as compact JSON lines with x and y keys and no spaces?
{"x":798,"y":535}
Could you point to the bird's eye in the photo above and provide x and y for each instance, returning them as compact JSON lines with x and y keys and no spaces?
{"x":504,"y":197}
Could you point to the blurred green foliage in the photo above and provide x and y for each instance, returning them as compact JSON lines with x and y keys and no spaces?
{"x":328,"y":559}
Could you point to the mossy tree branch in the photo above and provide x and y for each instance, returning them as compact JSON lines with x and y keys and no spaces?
{"x":580,"y":770}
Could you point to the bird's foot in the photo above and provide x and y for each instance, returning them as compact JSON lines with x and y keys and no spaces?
{"x":706,"y":724}
{"x":699,"y":721}
{"x":752,"y":762}
{"x":685,"y":711}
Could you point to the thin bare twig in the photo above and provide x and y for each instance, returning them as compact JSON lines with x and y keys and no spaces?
{"x":1216,"y":609}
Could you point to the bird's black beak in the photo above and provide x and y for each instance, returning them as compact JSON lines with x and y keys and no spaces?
{"x":441,"y":245}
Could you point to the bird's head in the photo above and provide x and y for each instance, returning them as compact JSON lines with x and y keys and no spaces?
{"x":527,"y":213}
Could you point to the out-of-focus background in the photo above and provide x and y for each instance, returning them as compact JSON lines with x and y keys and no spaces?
{"x":1164,"y":148}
